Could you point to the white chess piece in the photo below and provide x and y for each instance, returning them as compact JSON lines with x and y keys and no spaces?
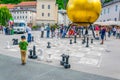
{"x":40,"y":56}
{"x":49,"y":59}
{"x":8,"y":45}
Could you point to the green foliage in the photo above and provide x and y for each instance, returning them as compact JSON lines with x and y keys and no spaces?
{"x":5,"y":16}
{"x":10,"y":1}
{"x":106,"y":1}
{"x":54,"y":26}
{"x":13,"y":1}
{"x":61,"y":4}
{"x":35,"y":27}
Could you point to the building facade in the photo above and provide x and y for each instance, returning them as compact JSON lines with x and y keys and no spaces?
{"x":25,"y":11}
{"x":47,"y":12}
{"x":110,"y":11}
{"x":63,"y":18}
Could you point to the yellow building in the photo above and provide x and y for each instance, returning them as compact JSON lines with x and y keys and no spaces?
{"x":47,"y":12}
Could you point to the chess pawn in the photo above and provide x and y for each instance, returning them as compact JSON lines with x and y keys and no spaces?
{"x":49,"y":59}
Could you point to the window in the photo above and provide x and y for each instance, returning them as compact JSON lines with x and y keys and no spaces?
{"x":108,"y":10}
{"x":43,"y":6}
{"x":17,"y":17}
{"x":104,"y":11}
{"x":23,"y":17}
{"x":48,"y":14}
{"x":19,"y":24}
{"x":20,"y":17}
{"x":26,"y":17}
{"x":116,"y":7}
{"x":115,"y":19}
{"x":23,"y":12}
{"x":42,"y":14}
{"x":48,"y":6}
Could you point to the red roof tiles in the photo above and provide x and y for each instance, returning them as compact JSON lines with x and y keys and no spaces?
{"x":28,"y":3}
{"x":9,"y":6}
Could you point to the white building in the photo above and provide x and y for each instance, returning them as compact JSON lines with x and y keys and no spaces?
{"x":110,"y":11}
{"x":25,"y":11}
{"x":46,"y":12}
{"x":63,"y":18}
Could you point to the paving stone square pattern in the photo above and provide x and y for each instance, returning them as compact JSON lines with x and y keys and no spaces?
{"x":10,"y":69}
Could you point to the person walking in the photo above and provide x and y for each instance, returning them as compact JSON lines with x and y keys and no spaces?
{"x":29,"y":33}
{"x":118,"y":33}
{"x":97,"y":31}
{"x":48,"y":31}
{"x":103,"y":31}
{"x":114,"y":31}
{"x":23,"y":49}
{"x":42,"y":31}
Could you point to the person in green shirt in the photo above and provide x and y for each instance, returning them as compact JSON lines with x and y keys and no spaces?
{"x":23,"y":44}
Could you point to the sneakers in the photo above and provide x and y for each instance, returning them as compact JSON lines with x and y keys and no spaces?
{"x":23,"y":63}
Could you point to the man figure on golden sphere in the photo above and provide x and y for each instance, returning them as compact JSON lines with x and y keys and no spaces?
{"x":83,"y":12}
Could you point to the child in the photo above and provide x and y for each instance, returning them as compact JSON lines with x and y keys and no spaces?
{"x":23,"y":48}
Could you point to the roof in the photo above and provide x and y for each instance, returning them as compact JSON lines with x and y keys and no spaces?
{"x":16,"y":10}
{"x":28,"y":3}
{"x":9,"y":6}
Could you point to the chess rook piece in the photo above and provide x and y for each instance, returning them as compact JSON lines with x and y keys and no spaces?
{"x":48,"y":45}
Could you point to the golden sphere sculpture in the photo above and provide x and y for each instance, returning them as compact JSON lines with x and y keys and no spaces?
{"x":83,"y":12}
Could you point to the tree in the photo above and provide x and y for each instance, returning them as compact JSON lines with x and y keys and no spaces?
{"x":62,"y":4}
{"x":106,"y":1}
{"x":5,"y":16}
{"x":10,"y":1}
{"x":13,"y":1}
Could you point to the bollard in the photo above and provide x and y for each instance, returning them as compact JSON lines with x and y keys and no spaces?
{"x":48,"y":45}
{"x":87,"y":44}
{"x":34,"y":53}
{"x":66,"y":64}
{"x":63,"y":59}
{"x":91,"y":41}
{"x":31,"y":53}
{"x":75,"y":39}
{"x":70,"y":41}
